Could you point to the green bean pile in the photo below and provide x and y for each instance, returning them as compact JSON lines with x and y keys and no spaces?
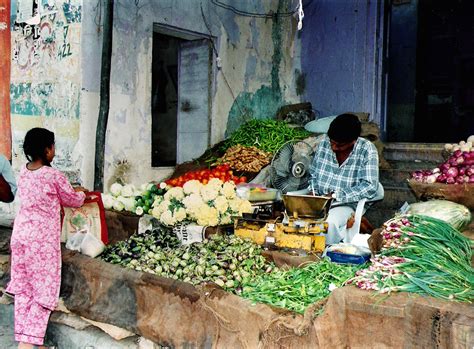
{"x":297,"y":288}
{"x":268,"y":135}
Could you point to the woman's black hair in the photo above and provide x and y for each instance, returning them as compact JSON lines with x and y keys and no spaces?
{"x":345,"y":128}
{"x":36,"y":141}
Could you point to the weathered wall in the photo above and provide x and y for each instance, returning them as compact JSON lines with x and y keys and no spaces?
{"x":339,"y":56}
{"x":46,"y":80}
{"x":257,"y":57}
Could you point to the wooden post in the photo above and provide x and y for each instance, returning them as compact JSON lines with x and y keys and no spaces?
{"x":5,"y":64}
{"x":104,"y":95}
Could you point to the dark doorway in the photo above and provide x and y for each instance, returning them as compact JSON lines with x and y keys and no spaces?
{"x":445,"y":74}
{"x":164,"y":99}
{"x":431,"y":71}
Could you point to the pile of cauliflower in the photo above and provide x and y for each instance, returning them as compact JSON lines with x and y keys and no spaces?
{"x":122,"y":197}
{"x":208,"y":204}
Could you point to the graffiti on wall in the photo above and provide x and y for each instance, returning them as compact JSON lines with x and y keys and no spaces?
{"x":45,"y":86}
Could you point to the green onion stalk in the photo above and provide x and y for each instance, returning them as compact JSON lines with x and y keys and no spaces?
{"x":421,"y":255}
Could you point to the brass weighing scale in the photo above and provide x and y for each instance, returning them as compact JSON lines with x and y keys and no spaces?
{"x":302,"y":225}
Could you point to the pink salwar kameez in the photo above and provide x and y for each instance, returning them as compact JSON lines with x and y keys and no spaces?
{"x":36,"y":249}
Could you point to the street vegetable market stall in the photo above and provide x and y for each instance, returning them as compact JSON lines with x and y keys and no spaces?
{"x":227,"y":291}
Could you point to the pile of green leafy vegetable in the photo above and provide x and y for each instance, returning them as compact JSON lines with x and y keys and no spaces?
{"x":268,"y":135}
{"x":297,"y":288}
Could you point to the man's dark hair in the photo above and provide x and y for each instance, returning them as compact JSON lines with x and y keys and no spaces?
{"x":344,"y":128}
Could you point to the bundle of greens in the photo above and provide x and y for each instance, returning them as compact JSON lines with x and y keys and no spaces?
{"x":422,"y":255}
{"x":268,"y":135}
{"x":297,"y":288}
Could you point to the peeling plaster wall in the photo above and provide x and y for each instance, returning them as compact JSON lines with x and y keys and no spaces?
{"x":246,"y":45}
{"x":56,"y":76}
{"x":46,"y":81}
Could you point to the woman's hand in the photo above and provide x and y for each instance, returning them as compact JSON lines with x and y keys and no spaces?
{"x":81,"y":189}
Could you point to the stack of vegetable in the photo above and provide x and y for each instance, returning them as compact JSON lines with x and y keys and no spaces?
{"x":144,"y":201}
{"x":459,"y":216}
{"x":463,"y":146}
{"x":122,"y":197}
{"x":268,"y":135}
{"x":226,"y":260}
{"x":208,"y":204}
{"x":297,"y":288}
{"x":457,"y":169}
{"x":422,"y":255}
{"x":137,"y":245}
{"x":222,"y":172}
{"x":242,"y":158}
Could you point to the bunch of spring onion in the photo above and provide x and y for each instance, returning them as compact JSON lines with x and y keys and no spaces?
{"x":225,"y":260}
{"x":423,"y":255}
{"x":297,"y":288}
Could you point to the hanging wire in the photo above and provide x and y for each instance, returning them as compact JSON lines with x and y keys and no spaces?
{"x":98,"y":14}
{"x":211,"y":39}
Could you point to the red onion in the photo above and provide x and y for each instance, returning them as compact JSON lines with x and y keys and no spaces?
{"x":471,"y":179}
{"x":441,"y":178}
{"x":470,"y":171}
{"x":461,"y":170}
{"x":452,"y":172}
{"x":457,"y":153}
{"x":444,"y":167}
{"x":450,"y":180}
{"x":459,"y":160}
{"x":460,"y":179}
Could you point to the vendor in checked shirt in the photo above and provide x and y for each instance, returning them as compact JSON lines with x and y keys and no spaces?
{"x":345,"y":166}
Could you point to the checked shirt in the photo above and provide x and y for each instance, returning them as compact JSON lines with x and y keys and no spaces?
{"x":355,"y":179}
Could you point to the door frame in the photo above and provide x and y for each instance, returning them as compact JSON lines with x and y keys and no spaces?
{"x":190,"y":35}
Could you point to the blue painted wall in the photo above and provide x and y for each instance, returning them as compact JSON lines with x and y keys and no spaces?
{"x":339,"y":56}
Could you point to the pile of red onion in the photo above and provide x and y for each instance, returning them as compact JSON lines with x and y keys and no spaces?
{"x":458,"y":169}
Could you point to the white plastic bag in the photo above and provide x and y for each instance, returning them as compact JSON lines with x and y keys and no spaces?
{"x":91,"y":246}
{"x":75,"y":239}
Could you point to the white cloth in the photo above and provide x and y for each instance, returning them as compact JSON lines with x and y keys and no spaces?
{"x":337,"y":220}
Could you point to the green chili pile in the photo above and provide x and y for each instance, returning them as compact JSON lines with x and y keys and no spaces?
{"x":422,"y":255}
{"x":297,"y":288}
{"x":268,"y":135}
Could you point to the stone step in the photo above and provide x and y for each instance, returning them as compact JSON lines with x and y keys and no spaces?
{"x":397,"y":151}
{"x":377,"y":216}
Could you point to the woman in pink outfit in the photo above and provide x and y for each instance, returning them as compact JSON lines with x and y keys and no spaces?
{"x":35,"y":242}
